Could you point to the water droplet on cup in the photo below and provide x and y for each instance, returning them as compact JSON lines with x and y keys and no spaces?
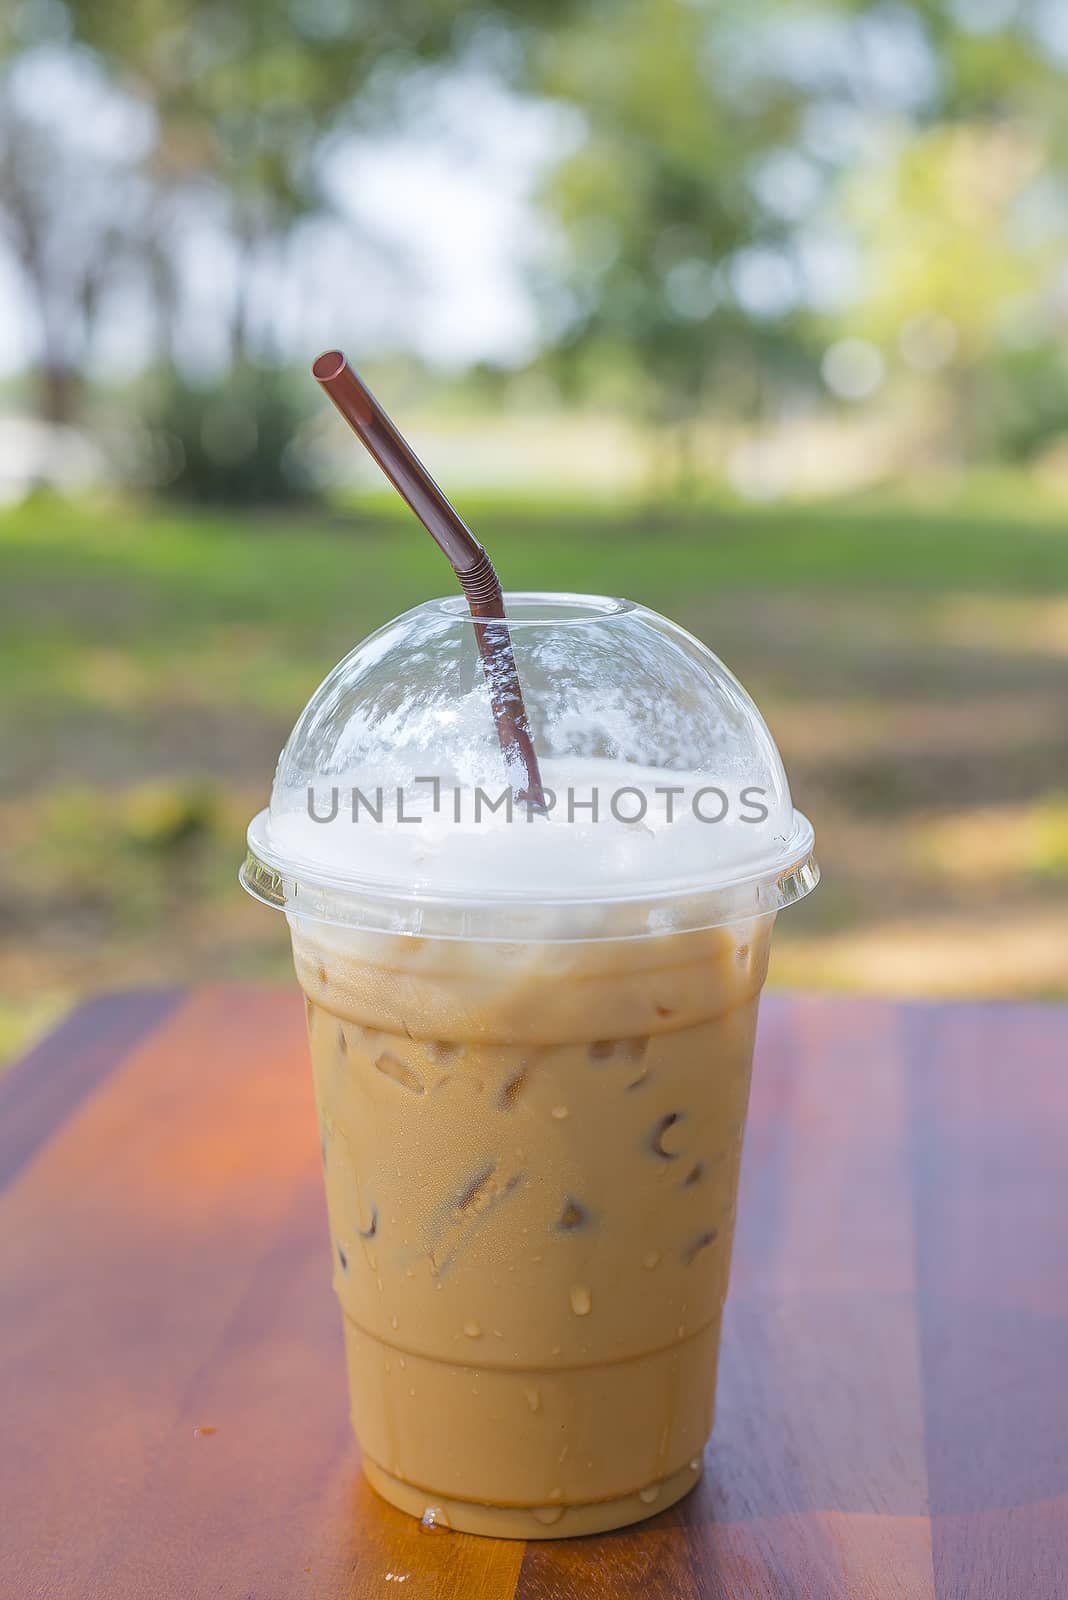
{"x":472,"y":1328}
{"x":534,"y":1398}
{"x":581,"y":1300}
{"x":695,"y":1464}
{"x":651,"y":1259}
{"x":548,"y":1514}
{"x":559,"y":1112}
{"x":649,"y":1493}
{"x":434,"y":1520}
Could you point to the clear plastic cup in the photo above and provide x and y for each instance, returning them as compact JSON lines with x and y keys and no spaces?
{"x":531,"y":1038}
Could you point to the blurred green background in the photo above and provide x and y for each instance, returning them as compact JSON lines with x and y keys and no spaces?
{"x":755,"y":312}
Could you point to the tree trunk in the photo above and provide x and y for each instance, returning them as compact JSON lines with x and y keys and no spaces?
{"x":59,"y":393}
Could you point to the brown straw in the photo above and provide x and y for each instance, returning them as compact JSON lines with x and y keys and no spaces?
{"x":470,"y":562}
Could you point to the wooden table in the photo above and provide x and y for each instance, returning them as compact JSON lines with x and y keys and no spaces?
{"x":893,"y":1413}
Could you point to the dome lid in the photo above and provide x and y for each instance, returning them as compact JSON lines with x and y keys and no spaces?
{"x":393,"y":806}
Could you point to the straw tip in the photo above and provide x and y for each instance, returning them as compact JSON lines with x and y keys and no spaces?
{"x":328,"y":365}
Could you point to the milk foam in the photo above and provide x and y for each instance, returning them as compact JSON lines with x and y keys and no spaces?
{"x":702,"y":832}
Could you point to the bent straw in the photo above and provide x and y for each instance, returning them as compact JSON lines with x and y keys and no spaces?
{"x":469,"y":560}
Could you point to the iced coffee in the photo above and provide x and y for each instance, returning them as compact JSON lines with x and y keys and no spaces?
{"x":531,"y":1160}
{"x":531,"y":1039}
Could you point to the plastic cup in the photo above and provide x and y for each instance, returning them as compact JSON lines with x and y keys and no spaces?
{"x":531,"y":1041}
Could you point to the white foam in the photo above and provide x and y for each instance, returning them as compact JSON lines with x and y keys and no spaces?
{"x":418,"y":845}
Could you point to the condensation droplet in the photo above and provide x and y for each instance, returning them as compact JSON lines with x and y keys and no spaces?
{"x":401,"y":1362}
{"x":472,"y":1328}
{"x":555,"y":1351}
{"x":651,"y":1259}
{"x":534,"y":1398}
{"x":548,"y":1514}
{"x":560,"y":1112}
{"x":581,"y":1300}
{"x":412,"y":1393}
{"x":680,"y":1331}
{"x":393,"y":1322}
{"x":695,"y":1464}
{"x":649,"y":1493}
{"x":435,"y":1520}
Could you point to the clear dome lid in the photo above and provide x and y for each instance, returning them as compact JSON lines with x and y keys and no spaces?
{"x":393,"y":807}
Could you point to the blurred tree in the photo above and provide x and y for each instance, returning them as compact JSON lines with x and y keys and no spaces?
{"x":73,"y":212}
{"x":961,"y":254}
{"x":759,"y":175}
{"x":235,"y":102}
{"x":246,"y":94}
{"x":962,"y":225}
{"x":748,"y":179}
{"x":677,"y":258}
{"x":230,"y":441}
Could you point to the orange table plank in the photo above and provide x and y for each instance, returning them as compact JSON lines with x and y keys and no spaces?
{"x":892,"y":1409}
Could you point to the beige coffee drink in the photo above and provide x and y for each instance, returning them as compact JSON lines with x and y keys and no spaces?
{"x":531,"y":1164}
{"x":531,"y":1042}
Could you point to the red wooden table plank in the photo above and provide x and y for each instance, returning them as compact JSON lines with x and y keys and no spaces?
{"x":893,"y":1413}
{"x":47,"y":1085}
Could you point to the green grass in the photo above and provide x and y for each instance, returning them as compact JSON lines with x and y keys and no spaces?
{"x":260,"y":606}
{"x":232,"y":568}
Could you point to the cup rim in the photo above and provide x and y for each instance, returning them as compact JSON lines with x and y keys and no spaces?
{"x":550,"y":608}
{"x":308,"y":891}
